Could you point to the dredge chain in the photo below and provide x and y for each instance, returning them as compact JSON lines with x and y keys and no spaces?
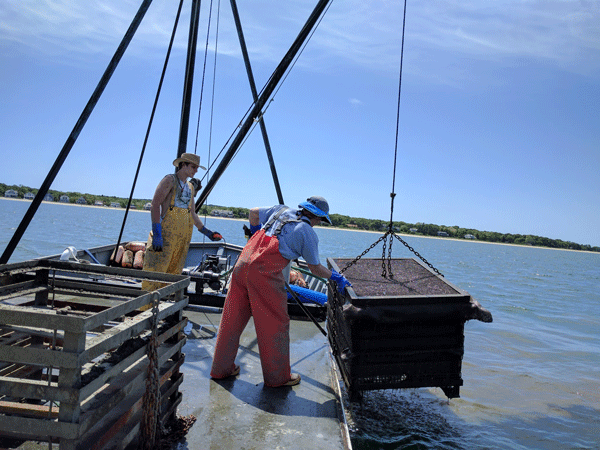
{"x":383,"y":268}
{"x":418,"y":255}
{"x":363,"y":254}
{"x":389,"y":257}
{"x":152,"y":395}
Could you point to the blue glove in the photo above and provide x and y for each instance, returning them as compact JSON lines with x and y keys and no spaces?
{"x":212,"y":235}
{"x":340,"y":280}
{"x":157,"y":241}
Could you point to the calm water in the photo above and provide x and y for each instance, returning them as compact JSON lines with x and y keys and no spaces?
{"x":531,"y":378}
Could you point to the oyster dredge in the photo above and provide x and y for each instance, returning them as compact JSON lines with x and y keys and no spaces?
{"x":101,"y":349}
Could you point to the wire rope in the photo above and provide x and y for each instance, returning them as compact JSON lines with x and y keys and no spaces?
{"x":258,"y":118}
{"x":203,"y":75}
{"x":284,"y":78}
{"x":386,"y":261}
{"x":212,"y":100}
{"x":393,"y":193}
{"x":216,"y":51}
{"x":212,"y":103}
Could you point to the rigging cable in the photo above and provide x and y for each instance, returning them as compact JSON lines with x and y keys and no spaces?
{"x":212,"y":100}
{"x":390,"y":234}
{"x":203,"y":76}
{"x":288,"y":71}
{"x":211,"y":164}
{"x":283,"y":79}
{"x":275,"y":90}
{"x":210,"y":11}
{"x":293,"y":63}
{"x":264,"y":110}
{"x":159,"y":89}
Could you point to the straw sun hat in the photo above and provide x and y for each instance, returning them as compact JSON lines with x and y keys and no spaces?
{"x":188,"y":158}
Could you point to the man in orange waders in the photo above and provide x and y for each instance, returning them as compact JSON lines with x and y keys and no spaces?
{"x":173,"y":217}
{"x":258,"y":287}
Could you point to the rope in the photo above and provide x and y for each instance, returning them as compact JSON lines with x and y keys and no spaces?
{"x":158,"y":91}
{"x":151,"y":400}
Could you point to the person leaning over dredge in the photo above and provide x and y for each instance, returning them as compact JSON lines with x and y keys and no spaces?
{"x":257,"y":288}
{"x":173,"y":216}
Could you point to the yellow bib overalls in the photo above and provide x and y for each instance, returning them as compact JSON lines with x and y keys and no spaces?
{"x":177,"y":226}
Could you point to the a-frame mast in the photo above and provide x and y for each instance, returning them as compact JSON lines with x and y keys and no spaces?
{"x":255,"y":112}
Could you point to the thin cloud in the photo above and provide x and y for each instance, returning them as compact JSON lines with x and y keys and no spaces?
{"x":368,"y":33}
{"x":72,"y":28}
{"x":356,"y":32}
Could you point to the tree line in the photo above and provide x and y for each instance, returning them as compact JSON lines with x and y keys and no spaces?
{"x":456,"y":232}
{"x":341,"y":221}
{"x":90,"y":199}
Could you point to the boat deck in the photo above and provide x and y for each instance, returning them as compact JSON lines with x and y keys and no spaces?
{"x":241,"y":413}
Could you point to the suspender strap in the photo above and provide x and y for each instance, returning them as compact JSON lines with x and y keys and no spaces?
{"x":273,"y":218}
{"x":179,"y":190}
{"x":280,"y":225}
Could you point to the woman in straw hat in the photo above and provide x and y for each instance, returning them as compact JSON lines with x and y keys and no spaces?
{"x":173,"y":216}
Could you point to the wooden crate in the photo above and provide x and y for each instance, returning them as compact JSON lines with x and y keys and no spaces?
{"x":73,"y":351}
{"x":401,"y":332}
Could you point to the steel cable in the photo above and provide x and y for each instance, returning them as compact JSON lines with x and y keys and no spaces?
{"x":386,"y":261}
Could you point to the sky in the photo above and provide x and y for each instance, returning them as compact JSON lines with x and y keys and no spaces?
{"x":498,"y":127}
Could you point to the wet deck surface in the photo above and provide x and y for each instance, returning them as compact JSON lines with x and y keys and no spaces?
{"x":242,"y":413}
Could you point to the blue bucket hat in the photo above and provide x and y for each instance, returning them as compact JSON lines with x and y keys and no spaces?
{"x":318,"y":206}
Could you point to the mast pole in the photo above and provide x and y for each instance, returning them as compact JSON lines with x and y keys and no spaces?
{"x":189,"y":78}
{"x":263,"y":127}
{"x":87,"y":111}
{"x":262,"y":100}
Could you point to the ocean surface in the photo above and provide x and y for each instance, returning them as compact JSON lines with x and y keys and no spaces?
{"x":531,"y":378}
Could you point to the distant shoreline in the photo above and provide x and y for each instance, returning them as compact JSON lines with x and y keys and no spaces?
{"x":73,"y":204}
{"x":471,"y":241}
{"x":328,"y":228}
